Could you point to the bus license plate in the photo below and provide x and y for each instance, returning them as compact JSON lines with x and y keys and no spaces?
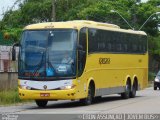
{"x":44,"y":94}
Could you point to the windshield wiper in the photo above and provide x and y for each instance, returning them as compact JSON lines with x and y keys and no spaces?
{"x":39,"y":65}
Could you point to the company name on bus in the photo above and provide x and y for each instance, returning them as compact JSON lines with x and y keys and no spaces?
{"x":104,"y":60}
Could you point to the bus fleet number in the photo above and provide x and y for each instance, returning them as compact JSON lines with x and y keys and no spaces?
{"x":104,"y":60}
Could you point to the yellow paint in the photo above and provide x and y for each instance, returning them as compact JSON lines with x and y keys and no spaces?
{"x":121,"y":67}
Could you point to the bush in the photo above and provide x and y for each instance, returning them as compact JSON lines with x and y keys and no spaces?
{"x":151,"y":76}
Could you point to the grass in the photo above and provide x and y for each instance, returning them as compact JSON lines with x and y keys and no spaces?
{"x":9,"y":97}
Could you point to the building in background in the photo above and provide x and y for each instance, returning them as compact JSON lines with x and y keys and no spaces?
{"x":6,"y":63}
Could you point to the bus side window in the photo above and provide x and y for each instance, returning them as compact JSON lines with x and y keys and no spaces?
{"x":82,"y":51}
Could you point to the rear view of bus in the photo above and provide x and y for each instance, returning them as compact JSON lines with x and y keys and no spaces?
{"x":55,"y":64}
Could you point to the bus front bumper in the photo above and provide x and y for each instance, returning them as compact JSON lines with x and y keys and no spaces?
{"x":48,"y":94}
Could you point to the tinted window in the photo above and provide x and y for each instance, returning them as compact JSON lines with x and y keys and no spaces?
{"x":118,"y":42}
{"x":82,"y":51}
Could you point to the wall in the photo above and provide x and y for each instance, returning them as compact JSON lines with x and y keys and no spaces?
{"x":8,"y":80}
{"x":6,"y":64}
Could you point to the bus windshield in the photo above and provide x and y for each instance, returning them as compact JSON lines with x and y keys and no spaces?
{"x":48,"y":54}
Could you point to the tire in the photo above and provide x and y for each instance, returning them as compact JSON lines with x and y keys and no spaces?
{"x":133,"y":91}
{"x":155,"y":88}
{"x":41,"y":103}
{"x":89,"y":99}
{"x":126,"y":94}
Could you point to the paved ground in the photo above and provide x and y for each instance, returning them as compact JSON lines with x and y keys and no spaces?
{"x":147,"y":101}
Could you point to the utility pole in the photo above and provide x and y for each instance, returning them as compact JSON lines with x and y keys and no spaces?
{"x":53,"y":15}
{"x":135,"y":6}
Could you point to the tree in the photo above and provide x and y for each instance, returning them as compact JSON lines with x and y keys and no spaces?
{"x":144,"y":11}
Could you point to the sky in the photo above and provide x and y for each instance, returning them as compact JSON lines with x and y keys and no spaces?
{"x":6,"y":4}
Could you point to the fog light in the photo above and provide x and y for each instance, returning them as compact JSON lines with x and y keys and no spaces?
{"x":24,"y":87}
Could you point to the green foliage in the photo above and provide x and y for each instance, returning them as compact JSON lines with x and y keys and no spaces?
{"x":151,"y":26}
{"x":11,"y":19}
{"x":151,"y":76}
{"x":14,"y":33}
{"x":35,"y":11}
{"x":9,"y":97}
{"x":69,"y":9}
{"x":154,"y":45}
{"x":3,"y":41}
{"x":30,"y":11}
{"x":93,"y":12}
{"x":154,"y":2}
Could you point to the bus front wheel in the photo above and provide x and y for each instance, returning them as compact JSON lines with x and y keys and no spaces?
{"x":41,"y":103}
{"x":88,"y":100}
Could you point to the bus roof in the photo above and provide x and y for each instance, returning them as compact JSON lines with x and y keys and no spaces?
{"x":77,"y":24}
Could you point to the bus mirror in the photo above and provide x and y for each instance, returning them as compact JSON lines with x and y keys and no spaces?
{"x":13,"y":54}
{"x":14,"y":51}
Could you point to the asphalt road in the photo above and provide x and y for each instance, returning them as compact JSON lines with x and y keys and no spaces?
{"x":146,"y":102}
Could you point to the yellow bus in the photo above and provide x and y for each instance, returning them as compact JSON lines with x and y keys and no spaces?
{"x":81,"y":60}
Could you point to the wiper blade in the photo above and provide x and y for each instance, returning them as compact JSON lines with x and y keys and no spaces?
{"x":35,"y":73}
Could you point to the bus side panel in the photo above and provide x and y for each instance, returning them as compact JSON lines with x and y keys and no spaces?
{"x":112,"y":75}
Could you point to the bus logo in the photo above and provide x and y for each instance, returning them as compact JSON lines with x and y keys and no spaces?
{"x":104,"y":60}
{"x":45,"y":87}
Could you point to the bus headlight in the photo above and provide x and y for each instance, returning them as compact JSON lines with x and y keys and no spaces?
{"x":25,"y":87}
{"x":67,"y":87}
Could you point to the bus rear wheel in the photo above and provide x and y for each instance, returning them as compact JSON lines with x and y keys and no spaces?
{"x":125,"y":95}
{"x":88,"y":100}
{"x":133,"y":91}
{"x":41,"y":103}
